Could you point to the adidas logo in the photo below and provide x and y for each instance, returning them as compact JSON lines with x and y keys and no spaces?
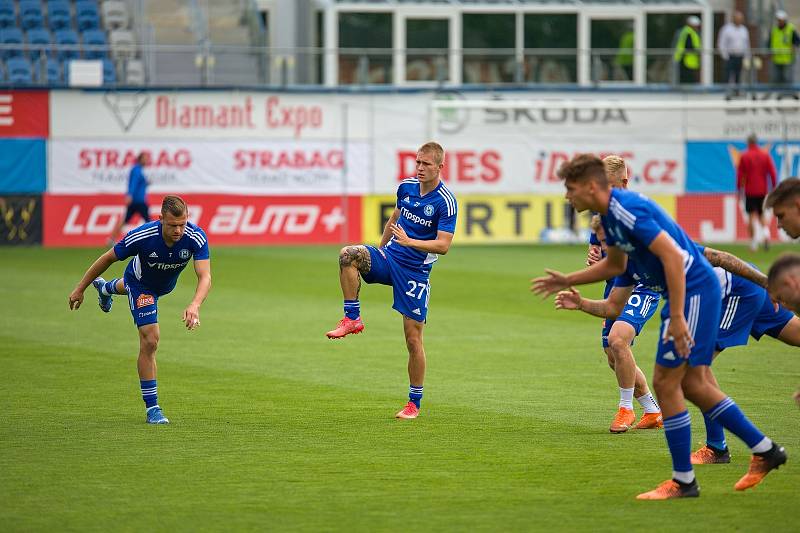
{"x":669,"y":356}
{"x":417,"y":311}
{"x":629,"y":312}
{"x":407,"y":200}
{"x":154,"y":255}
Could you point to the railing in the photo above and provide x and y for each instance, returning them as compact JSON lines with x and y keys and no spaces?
{"x":382,"y":67}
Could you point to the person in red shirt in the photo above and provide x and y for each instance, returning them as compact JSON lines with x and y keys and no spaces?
{"x":755,"y":177}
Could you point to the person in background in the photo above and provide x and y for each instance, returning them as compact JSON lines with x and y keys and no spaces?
{"x":755,"y":178}
{"x":687,"y":51}
{"x":734,"y":45}
{"x":136,"y":197}
{"x":782,"y":40}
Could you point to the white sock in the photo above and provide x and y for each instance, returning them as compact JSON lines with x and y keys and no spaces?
{"x":626,"y":398}
{"x":683,"y":477}
{"x":764,"y":446}
{"x":648,"y":403}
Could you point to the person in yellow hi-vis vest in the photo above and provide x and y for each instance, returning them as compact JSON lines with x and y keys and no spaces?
{"x":624,"y":57}
{"x":782,"y":40}
{"x":687,"y":51}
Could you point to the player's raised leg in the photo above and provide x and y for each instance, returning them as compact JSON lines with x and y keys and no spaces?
{"x":105,"y":290}
{"x":354,"y":261}
{"x":146,"y":365}
{"x":416,"y":367}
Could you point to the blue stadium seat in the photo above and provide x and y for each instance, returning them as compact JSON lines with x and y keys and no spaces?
{"x":109,"y":72}
{"x":53,"y":71}
{"x":8,"y":16}
{"x":67,"y":38}
{"x":11,"y":36}
{"x":87,"y":15}
{"x":58,"y":15}
{"x":94,"y":38}
{"x":19,"y":71}
{"x":30,"y":14}
{"x":39,"y":42}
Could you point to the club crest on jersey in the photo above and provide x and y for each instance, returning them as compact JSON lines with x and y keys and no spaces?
{"x":429,"y":210}
{"x":144,"y":300}
{"x":184,"y":254}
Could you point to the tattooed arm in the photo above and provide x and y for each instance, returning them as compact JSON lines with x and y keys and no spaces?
{"x":735,"y":266}
{"x":387,"y":229}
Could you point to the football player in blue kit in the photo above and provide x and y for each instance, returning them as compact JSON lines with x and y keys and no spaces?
{"x":161,"y":250}
{"x":418,"y":231}
{"x":747,"y":311}
{"x":620,"y":330}
{"x":668,"y":262}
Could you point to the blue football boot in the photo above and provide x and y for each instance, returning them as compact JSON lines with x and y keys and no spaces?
{"x":103,"y":300}
{"x":155,"y":416}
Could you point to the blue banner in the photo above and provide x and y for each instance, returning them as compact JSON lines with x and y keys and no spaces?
{"x":711,"y":165}
{"x":23,"y":166}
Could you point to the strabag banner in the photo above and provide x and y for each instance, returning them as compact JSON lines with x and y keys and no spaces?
{"x":87,"y":220}
{"x":227,"y":167}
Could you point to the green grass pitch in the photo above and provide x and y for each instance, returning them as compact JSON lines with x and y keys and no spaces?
{"x":274,"y":427}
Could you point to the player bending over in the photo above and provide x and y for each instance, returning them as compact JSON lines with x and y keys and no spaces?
{"x":668,"y":262}
{"x":420,"y":228}
{"x":620,"y":330}
{"x":746,"y":311}
{"x":161,"y":250}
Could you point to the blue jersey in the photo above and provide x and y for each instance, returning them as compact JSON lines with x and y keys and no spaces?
{"x":156,"y":265}
{"x":632,"y":222}
{"x":628,"y":278}
{"x":594,"y":241}
{"x":137,"y":185}
{"x":422,"y":217}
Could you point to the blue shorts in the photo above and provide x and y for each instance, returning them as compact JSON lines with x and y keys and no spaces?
{"x":750,"y":315}
{"x":411,"y":286}
{"x":143,"y":303}
{"x":702,"y":312}
{"x":637,"y":311}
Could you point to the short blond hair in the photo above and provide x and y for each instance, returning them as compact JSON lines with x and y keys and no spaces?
{"x":434,"y":149}
{"x":615,"y":166}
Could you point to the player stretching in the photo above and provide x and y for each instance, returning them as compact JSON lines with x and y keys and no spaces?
{"x":746,"y":311}
{"x":634,"y":309}
{"x":668,"y":262}
{"x":421,"y":226}
{"x":161,"y":250}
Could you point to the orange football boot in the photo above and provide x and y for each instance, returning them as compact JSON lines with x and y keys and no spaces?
{"x":671,"y":489}
{"x":710,"y":456}
{"x":622,"y":421}
{"x":650,"y":421}
{"x":760,"y":466}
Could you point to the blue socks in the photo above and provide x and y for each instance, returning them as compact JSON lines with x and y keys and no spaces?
{"x":110,"y":287}
{"x":678,"y":430}
{"x":715,"y":434}
{"x":728,"y":415}
{"x":149,"y":392}
{"x":415,"y":395}
{"x":352,"y":309}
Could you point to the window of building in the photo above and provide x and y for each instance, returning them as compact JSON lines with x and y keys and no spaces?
{"x":427,"y":42}
{"x":550,"y":48}
{"x":488,"y":41}
{"x":612,"y":43}
{"x":365,"y":43}
{"x":662,"y":34}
